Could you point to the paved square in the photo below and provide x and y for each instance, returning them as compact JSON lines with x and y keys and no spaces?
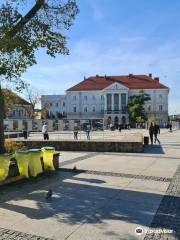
{"x":107,"y":197}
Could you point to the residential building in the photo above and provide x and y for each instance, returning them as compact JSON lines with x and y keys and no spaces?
{"x":55,"y":105}
{"x":18,"y":108}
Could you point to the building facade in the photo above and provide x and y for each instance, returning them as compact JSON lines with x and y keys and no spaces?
{"x":106,"y":97}
{"x":55,"y":105}
{"x":18,"y":108}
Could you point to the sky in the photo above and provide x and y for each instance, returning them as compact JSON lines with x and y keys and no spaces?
{"x":116,"y":37}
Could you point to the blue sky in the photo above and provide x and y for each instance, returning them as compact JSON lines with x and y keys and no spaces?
{"x":117,"y":37}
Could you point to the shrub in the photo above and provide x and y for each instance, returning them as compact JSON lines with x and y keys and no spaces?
{"x":12,"y":146}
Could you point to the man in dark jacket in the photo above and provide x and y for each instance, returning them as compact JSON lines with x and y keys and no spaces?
{"x":156,"y":132}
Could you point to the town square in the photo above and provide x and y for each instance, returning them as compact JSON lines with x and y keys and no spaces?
{"x":89,"y":120}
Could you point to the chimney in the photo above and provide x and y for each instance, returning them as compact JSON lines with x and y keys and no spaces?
{"x":130,"y":75}
{"x":150,"y":75}
{"x":97,"y":75}
{"x":84,"y":78}
{"x":105,"y":76}
{"x":156,"y":79}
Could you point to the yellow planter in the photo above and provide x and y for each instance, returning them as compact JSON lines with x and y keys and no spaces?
{"x":48,"y":153}
{"x":4,"y":166}
{"x":22,"y":158}
{"x":35,"y":166}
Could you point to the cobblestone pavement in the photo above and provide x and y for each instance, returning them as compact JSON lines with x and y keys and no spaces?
{"x":168,"y":213}
{"x":6,"y":234}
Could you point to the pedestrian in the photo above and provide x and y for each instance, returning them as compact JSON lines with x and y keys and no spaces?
{"x":120,"y":127}
{"x":170,"y":127}
{"x":25,"y":133}
{"x":151,"y":132}
{"x":45,"y":131}
{"x":75,"y":135}
{"x":156,"y":132}
{"x":88,"y":132}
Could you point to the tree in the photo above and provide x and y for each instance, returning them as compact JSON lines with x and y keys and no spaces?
{"x":136,"y":107}
{"x":33,"y":96}
{"x":22,"y":34}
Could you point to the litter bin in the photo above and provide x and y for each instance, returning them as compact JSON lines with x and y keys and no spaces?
{"x":4,"y":165}
{"x":48,"y":155}
{"x":35,"y":166}
{"x":146,"y":140}
{"x":22,"y":158}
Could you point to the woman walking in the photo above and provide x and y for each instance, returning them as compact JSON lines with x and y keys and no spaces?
{"x":151,"y":132}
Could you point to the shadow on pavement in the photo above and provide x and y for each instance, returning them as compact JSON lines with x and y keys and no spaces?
{"x":75,"y":202}
{"x":154,"y":149}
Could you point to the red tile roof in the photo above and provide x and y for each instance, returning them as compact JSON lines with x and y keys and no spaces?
{"x":130,"y":81}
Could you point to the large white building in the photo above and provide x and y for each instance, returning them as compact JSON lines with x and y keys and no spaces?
{"x":106,"y":97}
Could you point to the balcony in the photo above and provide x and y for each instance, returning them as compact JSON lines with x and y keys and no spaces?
{"x":124,"y":111}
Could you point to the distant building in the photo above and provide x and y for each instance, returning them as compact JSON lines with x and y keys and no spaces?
{"x":55,"y":105}
{"x":20,"y":108}
{"x":106,"y":98}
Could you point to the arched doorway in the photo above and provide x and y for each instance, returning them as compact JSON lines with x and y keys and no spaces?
{"x":123,"y":120}
{"x":116,"y":122}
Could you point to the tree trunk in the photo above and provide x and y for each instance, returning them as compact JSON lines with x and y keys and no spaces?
{"x":2,"y":138}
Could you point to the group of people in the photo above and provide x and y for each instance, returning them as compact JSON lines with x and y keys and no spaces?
{"x":154,"y":130}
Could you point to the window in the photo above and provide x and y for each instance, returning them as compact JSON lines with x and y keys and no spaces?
{"x":149,"y":108}
{"x":50,"y":104}
{"x":74,"y":109}
{"x":57,"y":104}
{"x":93,"y":97}
{"x":64,"y":104}
{"x":85,"y":98}
{"x":74,"y":98}
{"x":109,"y":102}
{"x":102,"y":97}
{"x":160,"y":108}
{"x":94,"y":109}
{"x":85,"y":109}
{"x":116,"y":102}
{"x":160,"y":96}
{"x":123,"y":99}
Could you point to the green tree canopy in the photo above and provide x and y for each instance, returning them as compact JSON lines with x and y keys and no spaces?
{"x":25,"y":27}
{"x":136,"y":107}
{"x":42,"y":26}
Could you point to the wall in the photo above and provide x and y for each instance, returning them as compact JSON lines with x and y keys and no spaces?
{"x":94,"y":146}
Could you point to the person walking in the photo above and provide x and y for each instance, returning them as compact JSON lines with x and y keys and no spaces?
{"x":75,"y":133}
{"x":151,"y":132}
{"x":45,"y":131}
{"x":156,"y":132}
{"x":88,"y":132}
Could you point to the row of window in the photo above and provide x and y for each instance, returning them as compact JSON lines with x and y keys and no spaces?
{"x":54,"y":104}
{"x":160,"y":108}
{"x":86,"y":98}
{"x":85,"y":109}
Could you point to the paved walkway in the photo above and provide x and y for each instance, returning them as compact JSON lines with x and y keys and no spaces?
{"x":94,"y":135}
{"x":107,"y":197}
